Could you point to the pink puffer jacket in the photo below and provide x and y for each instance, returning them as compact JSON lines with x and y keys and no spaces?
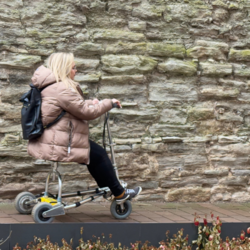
{"x":68,"y":139}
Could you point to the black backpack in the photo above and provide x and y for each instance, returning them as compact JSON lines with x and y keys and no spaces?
{"x":31,"y":114}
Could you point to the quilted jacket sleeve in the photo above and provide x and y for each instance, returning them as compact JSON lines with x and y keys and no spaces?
{"x":71,"y":102}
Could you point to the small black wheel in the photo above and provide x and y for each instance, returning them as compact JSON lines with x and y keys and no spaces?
{"x":37,"y":213}
{"x":121,"y":213}
{"x":20,"y":200}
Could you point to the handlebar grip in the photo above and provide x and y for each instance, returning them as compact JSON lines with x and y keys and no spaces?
{"x":115,"y":105}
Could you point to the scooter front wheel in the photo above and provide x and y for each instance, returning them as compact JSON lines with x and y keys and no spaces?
{"x":121,"y":212}
{"x":20,"y":201}
{"x":37,"y":213}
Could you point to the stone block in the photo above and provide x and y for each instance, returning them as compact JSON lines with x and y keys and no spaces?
{"x":219,"y":92}
{"x":166,"y":50}
{"x":172,"y":139}
{"x":19,"y":151}
{"x":164,"y":130}
{"x":10,"y":112}
{"x":230,"y":117}
{"x":147,"y":11}
{"x":196,"y":114}
{"x":135,"y":93}
{"x":126,"y":48}
{"x":88,"y":78}
{"x":209,"y":69}
{"x":244,"y":172}
{"x":127,"y":141}
{"x":114,"y":35}
{"x":88,"y":49}
{"x":137,"y":26}
{"x":241,"y":70}
{"x":189,"y":181}
{"x":156,"y":147}
{"x":232,"y":139}
{"x":124,"y":64}
{"x":20,"y":61}
{"x":13,"y":94}
{"x":239,"y":55}
{"x":173,"y":116}
{"x":142,"y":116}
{"x":128,"y":130}
{"x":178,"y":67}
{"x":234,"y":181}
{"x":123,"y":79}
{"x":224,"y":47}
{"x":191,"y":162}
{"x":206,"y":52}
{"x":182,"y":91}
{"x":188,"y":194}
{"x":86,"y":64}
{"x":216,"y":172}
{"x":241,"y":197}
{"x":244,"y":97}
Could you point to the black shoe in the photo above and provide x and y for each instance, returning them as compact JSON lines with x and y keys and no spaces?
{"x":130,"y":193}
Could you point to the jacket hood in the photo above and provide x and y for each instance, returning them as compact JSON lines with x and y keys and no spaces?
{"x":43,"y":77}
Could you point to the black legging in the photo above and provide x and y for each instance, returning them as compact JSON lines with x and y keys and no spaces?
{"x":102,"y":170}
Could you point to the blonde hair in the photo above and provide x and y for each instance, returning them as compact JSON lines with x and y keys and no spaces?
{"x":61,"y":65}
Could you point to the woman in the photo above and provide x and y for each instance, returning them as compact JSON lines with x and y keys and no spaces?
{"x":68,"y":139}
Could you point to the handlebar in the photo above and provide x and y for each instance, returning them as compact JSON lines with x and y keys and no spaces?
{"x":115,"y":105}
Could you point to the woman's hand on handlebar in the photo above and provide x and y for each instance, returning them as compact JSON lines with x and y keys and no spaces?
{"x":116,"y":103}
{"x":95,"y":101}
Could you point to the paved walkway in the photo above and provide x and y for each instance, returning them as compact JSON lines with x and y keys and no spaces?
{"x":143,"y":212}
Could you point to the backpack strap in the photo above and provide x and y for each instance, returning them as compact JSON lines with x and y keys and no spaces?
{"x":56,"y":120}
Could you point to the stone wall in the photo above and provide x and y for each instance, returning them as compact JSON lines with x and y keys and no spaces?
{"x":181,"y":70}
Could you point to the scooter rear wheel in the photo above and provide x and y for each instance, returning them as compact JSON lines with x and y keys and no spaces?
{"x":20,"y":200}
{"x":37,"y":213}
{"x":120,"y":213}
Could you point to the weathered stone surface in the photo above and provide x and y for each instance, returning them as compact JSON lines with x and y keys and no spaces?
{"x":188,"y":194}
{"x":124,"y":93}
{"x":88,"y":78}
{"x":135,"y":115}
{"x":86,"y":64}
{"x":219,"y":92}
{"x":128,"y":64}
{"x":146,"y":11}
{"x":18,"y":60}
{"x":178,"y":67}
{"x":173,"y":116}
{"x":224,"y":47}
{"x":118,"y":35}
{"x":206,"y":52}
{"x":137,"y":26}
{"x":127,"y":48}
{"x":127,"y":141}
{"x":157,"y":147}
{"x":12,"y":95}
{"x":195,"y":161}
{"x":216,"y":172}
{"x":232,"y":139}
{"x":184,"y":125}
{"x":209,"y":69}
{"x":123,"y":79}
{"x":241,"y":197}
{"x":171,"y":91}
{"x":196,"y":114}
{"x":241,"y":70}
{"x":166,"y":50}
{"x":239,"y":55}
{"x":171,"y":130}
{"x":234,"y":181}
{"x":88,"y":48}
